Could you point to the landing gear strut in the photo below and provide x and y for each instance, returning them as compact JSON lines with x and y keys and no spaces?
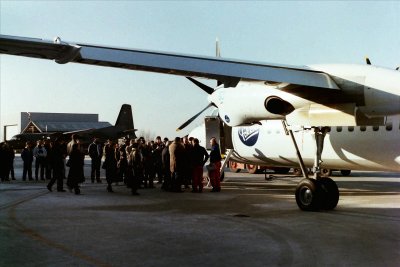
{"x":320,"y":192}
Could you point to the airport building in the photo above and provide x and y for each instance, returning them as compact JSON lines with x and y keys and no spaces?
{"x":39,"y":122}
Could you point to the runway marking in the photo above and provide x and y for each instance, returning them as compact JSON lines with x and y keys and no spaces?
{"x":17,"y":225}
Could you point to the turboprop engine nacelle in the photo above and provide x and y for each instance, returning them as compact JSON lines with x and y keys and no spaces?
{"x":251,"y":102}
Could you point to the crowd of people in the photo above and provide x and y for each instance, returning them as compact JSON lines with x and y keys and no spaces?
{"x":175,"y":165}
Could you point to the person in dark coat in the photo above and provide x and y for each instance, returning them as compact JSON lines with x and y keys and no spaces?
{"x":57,"y":162}
{"x":122,"y":162}
{"x":157,"y":151}
{"x":166,"y":166}
{"x":134,"y":159}
{"x":48,"y":160}
{"x":148,"y":165}
{"x":110,"y":164}
{"x":27,"y":158}
{"x":199,"y":158}
{"x":10,"y":160}
{"x":187,"y":162}
{"x":7,"y":156}
{"x":75,"y":174}
{"x":3,"y":163}
{"x":96,"y":153}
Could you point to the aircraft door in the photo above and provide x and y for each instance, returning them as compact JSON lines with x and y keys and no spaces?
{"x":215,"y":128}
{"x":212,"y":130}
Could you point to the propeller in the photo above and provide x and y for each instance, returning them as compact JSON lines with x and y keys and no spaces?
{"x":209,"y":90}
{"x":193,"y":118}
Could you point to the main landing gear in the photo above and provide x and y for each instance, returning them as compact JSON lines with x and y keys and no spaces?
{"x":319,"y":192}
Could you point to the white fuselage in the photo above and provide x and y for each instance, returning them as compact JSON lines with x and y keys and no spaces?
{"x":353,"y":148}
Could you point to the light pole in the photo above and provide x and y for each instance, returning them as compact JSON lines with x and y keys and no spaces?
{"x":5,"y":130}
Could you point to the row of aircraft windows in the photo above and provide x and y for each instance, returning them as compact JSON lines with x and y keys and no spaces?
{"x":388,"y":127}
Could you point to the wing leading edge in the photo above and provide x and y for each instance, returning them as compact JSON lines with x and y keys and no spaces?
{"x":169,"y":63}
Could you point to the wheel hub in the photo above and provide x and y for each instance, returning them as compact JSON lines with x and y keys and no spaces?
{"x":306,"y":196}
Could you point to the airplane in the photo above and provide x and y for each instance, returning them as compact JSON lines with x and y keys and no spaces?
{"x":123,"y":127}
{"x":319,"y":96}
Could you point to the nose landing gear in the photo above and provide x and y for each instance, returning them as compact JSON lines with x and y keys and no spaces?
{"x":320,"y":192}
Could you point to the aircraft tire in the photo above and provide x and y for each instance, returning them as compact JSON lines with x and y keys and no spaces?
{"x":297,"y":172}
{"x":251,"y":168}
{"x":326,"y":172}
{"x":309,"y":195}
{"x":233,"y":167}
{"x":330,"y":193}
{"x":345,"y":172}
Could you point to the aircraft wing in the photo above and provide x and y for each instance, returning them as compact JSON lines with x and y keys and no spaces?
{"x":83,"y":131}
{"x":227,"y":71}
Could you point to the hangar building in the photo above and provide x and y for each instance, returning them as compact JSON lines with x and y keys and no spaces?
{"x":39,"y":122}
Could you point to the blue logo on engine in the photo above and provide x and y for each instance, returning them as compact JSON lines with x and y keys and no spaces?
{"x":248,"y":135}
{"x":227,"y":119}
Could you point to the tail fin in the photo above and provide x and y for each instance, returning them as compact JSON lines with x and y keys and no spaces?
{"x":125,"y":119}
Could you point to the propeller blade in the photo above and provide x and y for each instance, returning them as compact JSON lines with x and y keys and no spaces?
{"x":193,"y":118}
{"x":209,"y":90}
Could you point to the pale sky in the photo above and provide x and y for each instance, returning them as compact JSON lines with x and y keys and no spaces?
{"x":292,"y":32}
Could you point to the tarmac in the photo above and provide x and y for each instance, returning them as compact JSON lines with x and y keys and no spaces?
{"x":251,"y":222}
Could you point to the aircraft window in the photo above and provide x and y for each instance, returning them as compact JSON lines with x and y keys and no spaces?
{"x":350,"y":128}
{"x":375,"y":128}
{"x":389,"y":126}
{"x":363,"y":128}
{"x":339,"y":128}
